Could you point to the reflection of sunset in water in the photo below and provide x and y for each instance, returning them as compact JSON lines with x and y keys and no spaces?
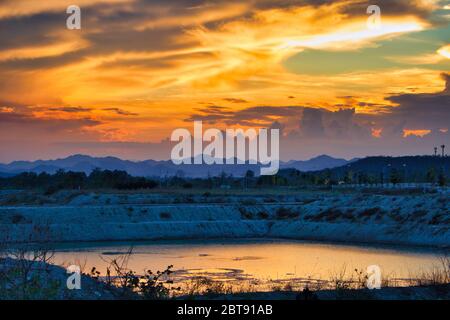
{"x":253,"y":259}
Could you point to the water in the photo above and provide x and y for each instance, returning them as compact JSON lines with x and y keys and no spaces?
{"x":261,"y":260}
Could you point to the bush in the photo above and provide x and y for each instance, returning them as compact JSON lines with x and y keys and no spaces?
{"x":17,"y":218}
{"x":52,"y":190}
{"x":263,"y":215}
{"x":128,"y":284}
{"x":248,"y":202}
{"x":136,"y":184}
{"x":367,"y":213}
{"x":286,"y":213}
{"x":165,"y":215}
{"x":437,"y":219}
{"x":419,"y":213}
{"x":245,"y":214}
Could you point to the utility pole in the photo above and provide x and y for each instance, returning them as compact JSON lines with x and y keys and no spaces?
{"x":443,"y":150}
{"x":435,"y":151}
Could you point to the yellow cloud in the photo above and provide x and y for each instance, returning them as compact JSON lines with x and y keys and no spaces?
{"x":6,"y":110}
{"x":432,"y":58}
{"x":193,"y":16}
{"x":445,"y":51}
{"x":256,"y":46}
{"x":44,"y":51}
{"x":417,"y":133}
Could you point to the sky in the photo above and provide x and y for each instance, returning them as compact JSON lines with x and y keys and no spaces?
{"x":138,"y":69}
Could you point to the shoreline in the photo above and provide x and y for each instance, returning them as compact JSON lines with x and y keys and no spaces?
{"x":420,"y":249}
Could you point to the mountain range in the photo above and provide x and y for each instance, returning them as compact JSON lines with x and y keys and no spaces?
{"x":152,"y":168}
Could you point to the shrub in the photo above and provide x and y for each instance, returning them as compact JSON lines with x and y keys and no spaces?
{"x":307,"y":201}
{"x":286,"y":213}
{"x":51,"y":190}
{"x":11,"y":200}
{"x":367,"y":213}
{"x":437,"y":219}
{"x":165,"y":215}
{"x":17,"y":218}
{"x":245,"y":214}
{"x":136,"y":184}
{"x":263,"y":215}
{"x":331,"y":214}
{"x":419,"y":213}
{"x":248,"y":202}
{"x":129,"y":285}
{"x":396,"y":216}
{"x":348,"y":215}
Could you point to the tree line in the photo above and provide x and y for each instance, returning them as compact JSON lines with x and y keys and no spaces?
{"x":121,"y":180}
{"x":97,"y":179}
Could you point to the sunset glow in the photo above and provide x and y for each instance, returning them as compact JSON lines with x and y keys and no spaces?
{"x":138,"y":69}
{"x":174,"y":152}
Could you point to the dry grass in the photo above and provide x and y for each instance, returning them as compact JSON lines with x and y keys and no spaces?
{"x":341,"y":280}
{"x":200,"y":286}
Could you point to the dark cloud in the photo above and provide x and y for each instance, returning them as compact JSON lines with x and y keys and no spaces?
{"x":235,"y":100}
{"x":7,"y":118}
{"x":32,"y":30}
{"x":311,"y":124}
{"x":42,"y":63}
{"x":423,"y":111}
{"x":70,"y":109}
{"x":413,"y":112}
{"x":252,"y":116}
{"x":121,"y":112}
{"x":125,"y":150}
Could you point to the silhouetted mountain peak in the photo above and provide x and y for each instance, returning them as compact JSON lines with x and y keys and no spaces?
{"x":86,"y":163}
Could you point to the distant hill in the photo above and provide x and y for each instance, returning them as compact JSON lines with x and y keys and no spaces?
{"x":317,"y":163}
{"x":84,"y":163}
{"x":376,"y":169}
{"x":374,"y":165}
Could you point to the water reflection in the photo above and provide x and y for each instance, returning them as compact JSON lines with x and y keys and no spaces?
{"x":253,"y":262}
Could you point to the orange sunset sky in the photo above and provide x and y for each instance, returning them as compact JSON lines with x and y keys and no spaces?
{"x":138,"y":69}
